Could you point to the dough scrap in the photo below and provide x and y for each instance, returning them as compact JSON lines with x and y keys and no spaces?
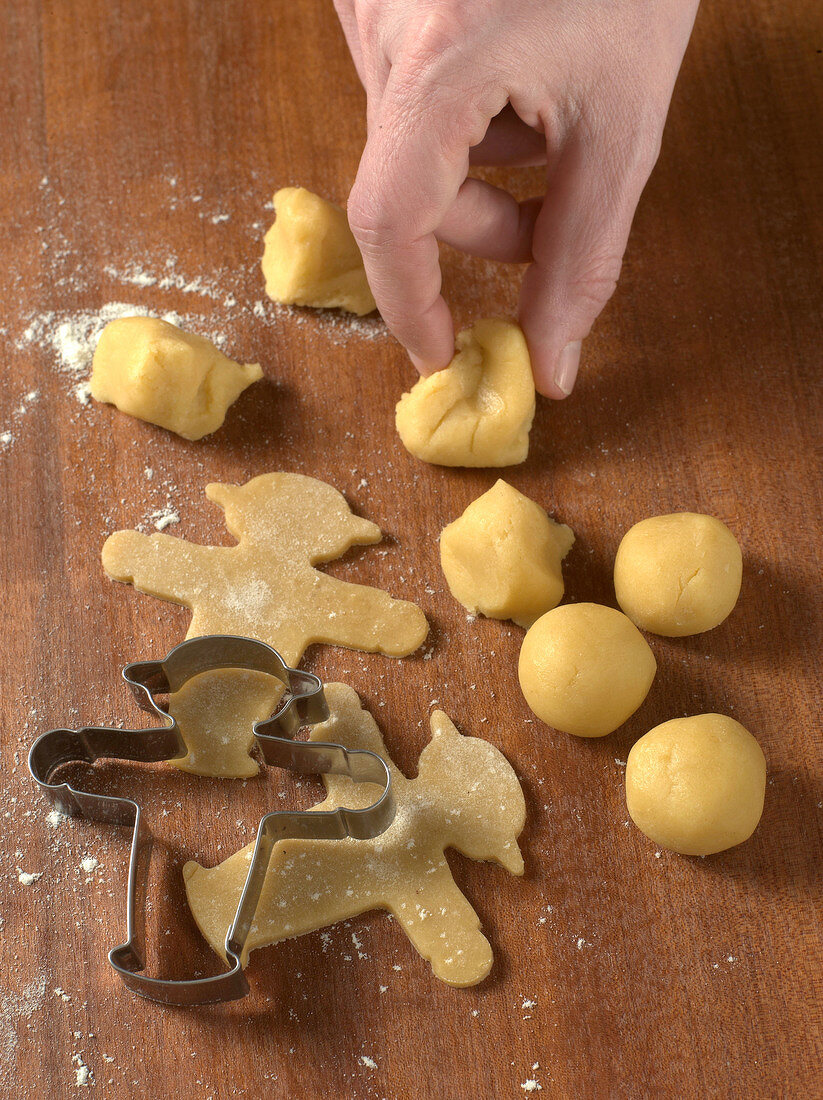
{"x":502,"y":556}
{"x":585,"y":668}
{"x":265,"y":587}
{"x":310,"y":256}
{"x":479,"y":410}
{"x":153,"y":370}
{"x":465,"y":796}
{"x":678,"y":574}
{"x":696,"y":785}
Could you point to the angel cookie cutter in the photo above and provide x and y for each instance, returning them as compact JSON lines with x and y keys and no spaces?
{"x":302,"y":705}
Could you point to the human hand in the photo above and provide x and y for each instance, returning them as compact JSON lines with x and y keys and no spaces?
{"x":582,"y":86}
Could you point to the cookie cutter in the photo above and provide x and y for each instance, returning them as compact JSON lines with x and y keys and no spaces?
{"x":303,"y":704}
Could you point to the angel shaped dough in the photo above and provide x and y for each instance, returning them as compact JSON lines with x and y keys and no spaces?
{"x":265,"y":587}
{"x":465,"y":796}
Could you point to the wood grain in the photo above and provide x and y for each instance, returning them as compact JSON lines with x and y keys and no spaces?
{"x":141,"y":141}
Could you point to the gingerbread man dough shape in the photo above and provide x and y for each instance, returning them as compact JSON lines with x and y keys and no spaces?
{"x":465,"y":796}
{"x":265,"y":587}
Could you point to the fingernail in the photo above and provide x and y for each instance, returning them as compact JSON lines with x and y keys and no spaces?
{"x":565,"y":372}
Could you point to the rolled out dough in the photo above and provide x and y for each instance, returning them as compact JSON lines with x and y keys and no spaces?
{"x":265,"y":587}
{"x":465,"y":796}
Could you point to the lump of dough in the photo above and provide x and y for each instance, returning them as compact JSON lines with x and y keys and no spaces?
{"x":156,"y":372}
{"x":502,"y":556}
{"x":310,"y":256}
{"x":696,"y":785}
{"x":478,"y":411}
{"x":678,"y":574}
{"x":585,"y":669}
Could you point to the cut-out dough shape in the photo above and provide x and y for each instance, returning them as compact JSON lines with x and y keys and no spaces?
{"x":310,"y":256}
{"x":502,"y":556}
{"x":465,"y":796}
{"x":478,"y":411}
{"x":156,"y":372}
{"x":265,"y":587}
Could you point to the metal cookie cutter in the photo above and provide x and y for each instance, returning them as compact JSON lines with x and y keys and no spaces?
{"x":303,"y":704}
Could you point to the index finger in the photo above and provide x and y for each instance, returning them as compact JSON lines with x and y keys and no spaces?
{"x":415,"y":159}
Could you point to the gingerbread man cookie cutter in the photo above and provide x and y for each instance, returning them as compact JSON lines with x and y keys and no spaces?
{"x":302,"y":705}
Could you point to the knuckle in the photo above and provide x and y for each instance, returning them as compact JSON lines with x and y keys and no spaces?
{"x":370,"y":222}
{"x":596,"y":281}
{"x":436,"y":31}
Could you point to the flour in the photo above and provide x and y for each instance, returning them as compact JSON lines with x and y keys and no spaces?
{"x":72,"y":336}
{"x":164,"y":518}
{"x":83,"y":1075}
{"x":17,"y":1006}
{"x":28,"y":878}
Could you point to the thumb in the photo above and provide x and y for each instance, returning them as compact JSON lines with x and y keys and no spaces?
{"x":579,"y":239}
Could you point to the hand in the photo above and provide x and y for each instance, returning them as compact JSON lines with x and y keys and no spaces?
{"x":582,"y":86}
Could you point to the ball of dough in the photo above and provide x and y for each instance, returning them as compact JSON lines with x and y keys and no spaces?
{"x":310,"y":256}
{"x":156,"y":372}
{"x":678,"y":574}
{"x":502,"y":556}
{"x":585,"y":669}
{"x":478,"y":411}
{"x":696,"y":785}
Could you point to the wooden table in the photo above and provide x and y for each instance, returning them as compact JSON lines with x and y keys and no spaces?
{"x":140,"y":145}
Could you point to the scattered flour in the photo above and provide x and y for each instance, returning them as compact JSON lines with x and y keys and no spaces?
{"x":531,"y":1085}
{"x":28,"y":878}
{"x":14,"y":1007}
{"x":368,"y":1062}
{"x":164,"y":518}
{"x":72,"y":336}
{"x":89,"y":864}
{"x":83,"y":1075}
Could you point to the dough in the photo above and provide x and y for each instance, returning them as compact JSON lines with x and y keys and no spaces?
{"x":479,"y":410}
{"x":678,"y":574}
{"x":310,"y":256}
{"x":696,"y":785}
{"x":585,"y":669}
{"x":156,"y":372}
{"x":465,"y":796}
{"x":265,"y":587}
{"x":502,"y":556}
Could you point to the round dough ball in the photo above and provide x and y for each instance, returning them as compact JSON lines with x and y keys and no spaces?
{"x":585,"y":669}
{"x":696,"y":785}
{"x":678,"y":574}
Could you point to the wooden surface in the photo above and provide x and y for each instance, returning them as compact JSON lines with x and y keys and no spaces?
{"x":141,"y":141}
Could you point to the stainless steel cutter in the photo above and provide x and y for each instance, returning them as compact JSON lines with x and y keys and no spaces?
{"x":303,"y":705}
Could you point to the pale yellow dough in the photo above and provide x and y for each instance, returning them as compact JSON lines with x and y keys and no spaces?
{"x":584,"y":668}
{"x":310,"y":256}
{"x":678,"y":574}
{"x":478,"y":411}
{"x":696,"y":785}
{"x":156,"y":372}
{"x":502,"y":557}
{"x":265,"y":587}
{"x":465,"y":796}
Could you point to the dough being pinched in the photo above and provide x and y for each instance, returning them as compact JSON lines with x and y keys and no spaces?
{"x":696,"y":785}
{"x":465,"y":796}
{"x":153,"y":370}
{"x":478,"y":411}
{"x":502,"y":556}
{"x":310,"y":256}
{"x":264,"y":587}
